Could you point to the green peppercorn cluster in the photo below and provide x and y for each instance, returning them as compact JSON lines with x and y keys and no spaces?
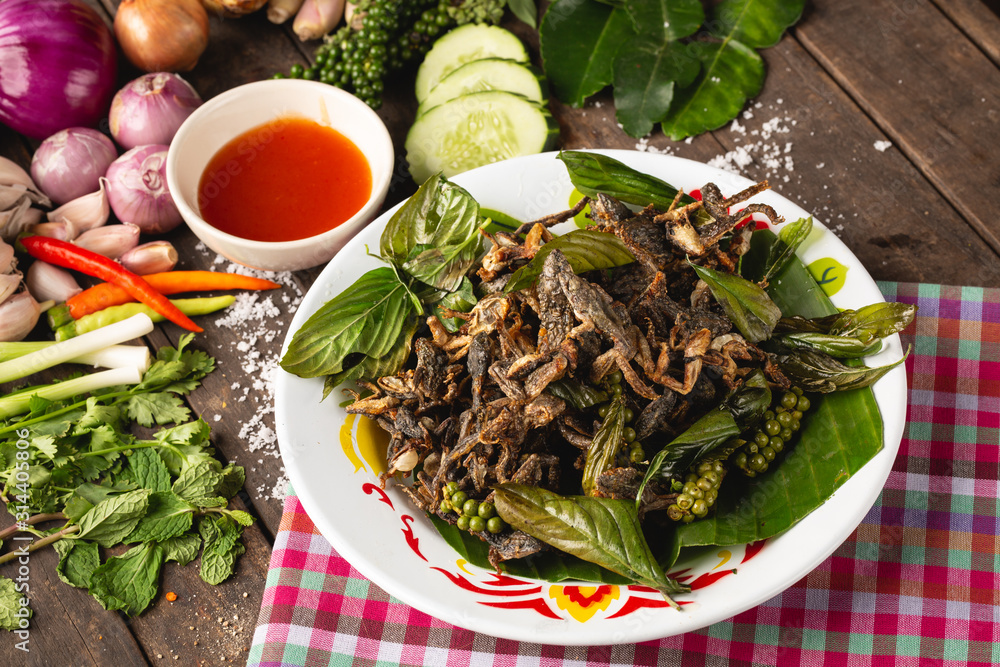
{"x":636,"y":453}
{"x":699,"y":492}
{"x":391,"y":34}
{"x":473,"y":515}
{"x":775,"y":433}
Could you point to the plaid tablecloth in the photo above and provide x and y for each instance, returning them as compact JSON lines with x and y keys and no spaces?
{"x":918,"y":582}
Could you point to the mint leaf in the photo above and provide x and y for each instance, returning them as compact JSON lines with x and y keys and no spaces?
{"x":128,"y":582}
{"x":198,"y":480}
{"x":233,"y":478}
{"x":12,"y":614}
{"x":182,"y":549}
{"x":168,"y":516}
{"x":222,"y":547}
{"x":148,"y":470}
{"x":77,"y":561}
{"x":115,"y":517}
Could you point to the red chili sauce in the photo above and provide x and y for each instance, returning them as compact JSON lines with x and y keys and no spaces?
{"x":288,"y":179}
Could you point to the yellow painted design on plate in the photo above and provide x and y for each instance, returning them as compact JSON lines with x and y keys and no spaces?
{"x":373,"y":444}
{"x":580,"y":219}
{"x":725,"y":555}
{"x":582,"y":602}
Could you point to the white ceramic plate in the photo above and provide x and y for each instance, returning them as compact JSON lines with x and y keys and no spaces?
{"x":332,"y":465}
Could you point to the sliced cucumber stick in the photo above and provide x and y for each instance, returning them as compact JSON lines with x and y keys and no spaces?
{"x":462,"y":45}
{"x":477,"y":129}
{"x":488,"y":74}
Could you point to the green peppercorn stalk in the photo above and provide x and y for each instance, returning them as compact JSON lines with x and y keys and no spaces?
{"x":391,"y":33}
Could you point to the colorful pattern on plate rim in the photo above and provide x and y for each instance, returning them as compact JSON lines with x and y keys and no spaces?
{"x":364,"y":444}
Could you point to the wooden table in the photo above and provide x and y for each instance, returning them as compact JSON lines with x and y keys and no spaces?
{"x":884,"y":119}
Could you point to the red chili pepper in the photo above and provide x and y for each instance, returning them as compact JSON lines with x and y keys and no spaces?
{"x":69,"y":256}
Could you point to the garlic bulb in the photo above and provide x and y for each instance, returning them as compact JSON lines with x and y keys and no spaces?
{"x":18,"y":316}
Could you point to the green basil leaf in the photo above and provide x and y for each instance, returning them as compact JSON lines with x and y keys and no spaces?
{"x":552,"y":566}
{"x":877,"y":320}
{"x":580,"y":395}
{"x":731,"y":73}
{"x":712,"y":430}
{"x":598,"y":530}
{"x":366,"y":318}
{"x":370,"y":367}
{"x":168,"y":516}
{"x":790,"y":238}
{"x":746,"y":303}
{"x":841,"y":347}
{"x":594,"y":174}
{"x":748,"y":402}
{"x":129,"y":582}
{"x":461,"y":300}
{"x":815,"y":371}
{"x":112,"y":519}
{"x":645,"y":75}
{"x":578,"y":41}
{"x":434,"y":235}
{"x":605,"y":445}
{"x":584,"y":249}
{"x":756,"y":23}
{"x":77,"y":561}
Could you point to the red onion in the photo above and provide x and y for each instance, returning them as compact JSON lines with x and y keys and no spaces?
{"x":59,"y":66}
{"x":149,"y":109}
{"x":137,"y":190}
{"x":71,"y":162}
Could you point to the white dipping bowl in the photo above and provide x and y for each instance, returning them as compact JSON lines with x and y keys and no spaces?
{"x":243,"y":108}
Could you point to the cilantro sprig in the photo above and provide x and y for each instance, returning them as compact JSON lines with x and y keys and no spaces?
{"x":77,"y":462}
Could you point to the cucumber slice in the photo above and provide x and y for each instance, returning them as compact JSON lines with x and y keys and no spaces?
{"x":462,"y":45}
{"x":477,"y":129}
{"x":487,"y":74}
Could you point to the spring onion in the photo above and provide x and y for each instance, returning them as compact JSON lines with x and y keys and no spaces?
{"x":119,"y":332}
{"x":113,"y":356}
{"x":20,"y":402}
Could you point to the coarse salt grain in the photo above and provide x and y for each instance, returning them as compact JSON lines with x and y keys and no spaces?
{"x":881,"y":146}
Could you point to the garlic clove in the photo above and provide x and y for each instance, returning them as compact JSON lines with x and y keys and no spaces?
{"x":86,"y":212}
{"x":18,"y":316}
{"x":51,"y":283}
{"x":64,"y":230}
{"x":12,"y":175}
{"x":16,"y":219}
{"x":7,"y":263}
{"x":152,"y":257}
{"x":9,"y":283}
{"x":111,"y":240}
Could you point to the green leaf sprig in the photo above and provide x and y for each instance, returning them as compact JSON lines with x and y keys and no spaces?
{"x":668,"y":61}
{"x":167,"y":495}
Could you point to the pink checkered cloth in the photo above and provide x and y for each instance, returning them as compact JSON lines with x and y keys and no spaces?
{"x":918,"y":583}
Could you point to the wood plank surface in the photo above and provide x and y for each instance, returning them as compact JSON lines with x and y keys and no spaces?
{"x":928,"y":88}
{"x":977,"y":21}
{"x":918,"y":74}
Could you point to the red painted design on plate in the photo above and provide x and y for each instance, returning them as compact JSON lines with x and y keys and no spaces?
{"x":752,"y":550}
{"x":710,"y":578}
{"x":370,"y":488}
{"x":411,"y":540}
{"x":535,"y":604}
{"x":464,"y":583}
